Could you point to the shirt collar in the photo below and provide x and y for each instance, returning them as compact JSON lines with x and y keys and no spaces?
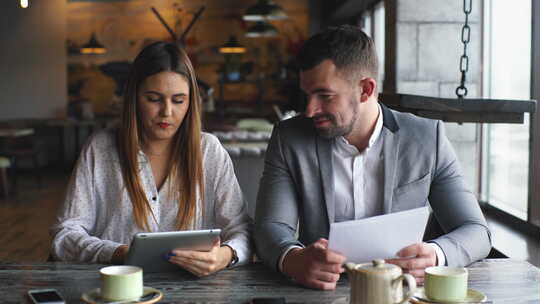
{"x":345,"y":147}
{"x":378,"y":127}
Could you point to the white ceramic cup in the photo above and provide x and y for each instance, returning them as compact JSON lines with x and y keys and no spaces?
{"x":121,"y":282}
{"x":446,"y":284}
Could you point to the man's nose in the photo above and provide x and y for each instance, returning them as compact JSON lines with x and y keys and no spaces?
{"x":312,"y":107}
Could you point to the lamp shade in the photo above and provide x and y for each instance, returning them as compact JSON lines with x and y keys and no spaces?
{"x":93,"y":46}
{"x":261,"y":29}
{"x":264,"y":10}
{"x":232,"y":47}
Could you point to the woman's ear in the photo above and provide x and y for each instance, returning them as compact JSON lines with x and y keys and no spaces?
{"x":367,"y":87}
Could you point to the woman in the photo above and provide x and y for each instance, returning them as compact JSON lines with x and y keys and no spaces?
{"x":158,"y":172}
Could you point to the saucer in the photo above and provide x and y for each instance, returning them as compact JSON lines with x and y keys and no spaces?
{"x":94,"y":297}
{"x":473,"y":296}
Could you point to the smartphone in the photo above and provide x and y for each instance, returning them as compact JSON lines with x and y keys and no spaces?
{"x":268,"y":301}
{"x":45,"y":296}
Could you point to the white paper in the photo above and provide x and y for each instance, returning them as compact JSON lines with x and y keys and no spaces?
{"x":378,"y":237}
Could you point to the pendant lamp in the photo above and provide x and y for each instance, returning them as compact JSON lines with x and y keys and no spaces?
{"x":261,"y":29}
{"x":232,"y":47}
{"x":264,"y":10}
{"x":93,"y":46}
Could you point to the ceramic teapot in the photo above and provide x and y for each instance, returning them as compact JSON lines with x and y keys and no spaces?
{"x":379,"y":283}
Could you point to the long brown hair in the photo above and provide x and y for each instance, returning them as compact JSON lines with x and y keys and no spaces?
{"x":186,"y":160}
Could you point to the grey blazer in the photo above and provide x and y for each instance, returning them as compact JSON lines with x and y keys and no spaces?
{"x":420,"y":168}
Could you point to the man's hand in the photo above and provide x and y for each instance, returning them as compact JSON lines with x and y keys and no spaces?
{"x":202,"y":263}
{"x":415,"y":259}
{"x":315,"y":266}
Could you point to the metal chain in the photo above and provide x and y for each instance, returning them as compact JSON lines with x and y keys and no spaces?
{"x":461,"y":90}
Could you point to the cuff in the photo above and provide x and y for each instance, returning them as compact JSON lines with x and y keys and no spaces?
{"x":441,"y":258}
{"x":241,"y":249}
{"x":106,"y":253}
{"x":234,"y":259}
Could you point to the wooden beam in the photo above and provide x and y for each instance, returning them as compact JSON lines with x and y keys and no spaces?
{"x":349,"y":9}
{"x":461,"y":110}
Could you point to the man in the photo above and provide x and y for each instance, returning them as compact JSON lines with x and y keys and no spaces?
{"x":350,"y":157}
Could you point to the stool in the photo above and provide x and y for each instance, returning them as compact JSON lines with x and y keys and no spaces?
{"x":4,"y":164}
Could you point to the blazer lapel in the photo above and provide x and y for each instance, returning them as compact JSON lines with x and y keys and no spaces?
{"x":390,"y":154}
{"x":324,"y":155}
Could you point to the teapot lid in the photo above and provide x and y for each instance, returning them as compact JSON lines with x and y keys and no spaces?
{"x":379,"y":266}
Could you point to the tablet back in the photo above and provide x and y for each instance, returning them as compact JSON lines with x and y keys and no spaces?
{"x":147,"y":249}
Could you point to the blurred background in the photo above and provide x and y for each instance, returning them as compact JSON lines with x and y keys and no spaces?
{"x":63,"y":65}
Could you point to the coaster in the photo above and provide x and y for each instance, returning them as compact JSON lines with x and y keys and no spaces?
{"x":150,"y":295}
{"x":473,"y":296}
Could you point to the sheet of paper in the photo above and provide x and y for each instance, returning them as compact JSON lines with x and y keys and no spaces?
{"x":378,"y":237}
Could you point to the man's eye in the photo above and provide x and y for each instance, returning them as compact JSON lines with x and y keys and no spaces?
{"x":325,"y":97}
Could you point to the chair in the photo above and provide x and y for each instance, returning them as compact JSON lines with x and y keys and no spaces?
{"x":20,"y":148}
{"x":4,"y":164}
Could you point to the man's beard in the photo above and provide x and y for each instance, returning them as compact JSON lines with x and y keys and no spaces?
{"x":334,"y":130}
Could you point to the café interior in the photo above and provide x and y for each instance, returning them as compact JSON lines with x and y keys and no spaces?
{"x":64,"y":64}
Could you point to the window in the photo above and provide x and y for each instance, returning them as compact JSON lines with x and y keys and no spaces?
{"x":507,"y":75}
{"x":366,"y":23}
{"x":373,"y":24}
{"x":378,"y":37}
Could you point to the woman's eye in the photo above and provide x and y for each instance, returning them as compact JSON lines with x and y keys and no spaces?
{"x":153,"y":98}
{"x":179,"y":100}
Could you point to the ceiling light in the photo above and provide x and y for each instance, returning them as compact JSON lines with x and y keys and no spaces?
{"x":264,"y":10}
{"x":261,"y":29}
{"x":93,"y":46}
{"x":232,"y":47}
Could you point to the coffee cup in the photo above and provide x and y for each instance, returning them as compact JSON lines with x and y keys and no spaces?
{"x":446,"y":284}
{"x":121,"y":282}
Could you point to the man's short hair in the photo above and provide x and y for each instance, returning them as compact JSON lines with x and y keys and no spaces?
{"x":349,"y":48}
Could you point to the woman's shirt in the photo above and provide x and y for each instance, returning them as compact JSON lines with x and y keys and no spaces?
{"x":97,"y":215}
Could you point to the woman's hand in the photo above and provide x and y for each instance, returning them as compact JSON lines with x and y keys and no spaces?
{"x":202,"y":263}
{"x":119,"y":254}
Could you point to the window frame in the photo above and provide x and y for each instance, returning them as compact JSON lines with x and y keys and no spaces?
{"x":534,"y":156}
{"x":532,"y":224}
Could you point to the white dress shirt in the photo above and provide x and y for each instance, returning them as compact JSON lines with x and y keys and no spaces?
{"x":359,"y":182}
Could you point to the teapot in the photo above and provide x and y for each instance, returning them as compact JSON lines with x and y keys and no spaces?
{"x":379,"y":283}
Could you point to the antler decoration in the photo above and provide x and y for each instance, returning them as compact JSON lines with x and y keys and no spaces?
{"x":182,"y":38}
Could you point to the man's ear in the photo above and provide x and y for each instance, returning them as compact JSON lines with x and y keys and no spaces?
{"x":367,"y":87}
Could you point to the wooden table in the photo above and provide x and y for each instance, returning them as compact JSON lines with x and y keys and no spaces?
{"x":502,"y":280}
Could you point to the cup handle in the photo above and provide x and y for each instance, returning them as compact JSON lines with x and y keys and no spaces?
{"x":411,"y":282}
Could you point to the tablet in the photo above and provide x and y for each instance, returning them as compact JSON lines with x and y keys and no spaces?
{"x":147,"y":249}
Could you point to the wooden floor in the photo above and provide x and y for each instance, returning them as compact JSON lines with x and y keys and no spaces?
{"x":25,"y":217}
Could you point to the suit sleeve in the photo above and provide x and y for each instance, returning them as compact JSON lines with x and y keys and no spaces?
{"x":456,"y":209}
{"x":276,"y":216}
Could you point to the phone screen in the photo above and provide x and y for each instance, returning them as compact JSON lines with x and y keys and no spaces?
{"x":46,"y":297}
{"x":268,"y":301}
